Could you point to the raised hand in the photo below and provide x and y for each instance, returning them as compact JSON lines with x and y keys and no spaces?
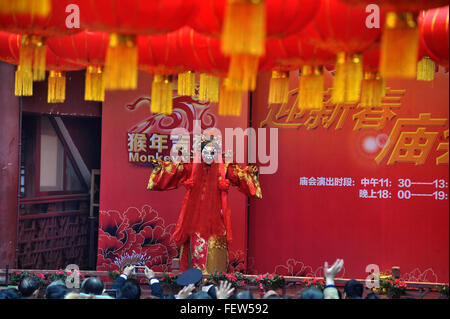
{"x":224,"y":291}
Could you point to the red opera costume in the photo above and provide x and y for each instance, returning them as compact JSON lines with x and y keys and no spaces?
{"x":203,"y":231}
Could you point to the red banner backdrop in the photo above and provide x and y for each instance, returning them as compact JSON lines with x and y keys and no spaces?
{"x":369,"y":185}
{"x":135,"y":222}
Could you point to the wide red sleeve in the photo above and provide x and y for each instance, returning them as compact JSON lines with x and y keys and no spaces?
{"x":245,"y":178}
{"x":168,"y":175}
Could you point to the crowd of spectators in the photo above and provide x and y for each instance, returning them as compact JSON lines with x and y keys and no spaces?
{"x":125,"y":287}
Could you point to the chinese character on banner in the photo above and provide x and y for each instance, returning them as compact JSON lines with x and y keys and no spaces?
{"x":376,"y":117}
{"x":137,"y":142}
{"x":312,"y":181}
{"x":411,"y":146}
{"x":321,"y":181}
{"x":348,"y":181}
{"x":158,"y":142}
{"x":365,"y":182}
{"x":303,"y":181}
{"x":443,"y":159}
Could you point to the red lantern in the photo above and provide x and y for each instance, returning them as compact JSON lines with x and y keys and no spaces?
{"x":56,"y":66}
{"x":7,"y":41}
{"x":35,"y":28}
{"x":400,"y":41}
{"x":400,"y":5}
{"x":293,"y":53}
{"x":159,"y":55}
{"x":434,"y":34}
{"x":125,"y":19}
{"x":88,"y":49}
{"x":342,"y":29}
{"x":244,"y":26}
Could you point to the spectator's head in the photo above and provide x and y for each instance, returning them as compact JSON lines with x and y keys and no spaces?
{"x":200,"y":295}
{"x":311,"y":293}
{"x":92,"y":285}
{"x":56,"y":291}
{"x":243,"y":295}
{"x":130,"y":290}
{"x":353,"y":290}
{"x":29,"y":287}
{"x":271,"y":294}
{"x":10,"y":293}
{"x":372,"y":295}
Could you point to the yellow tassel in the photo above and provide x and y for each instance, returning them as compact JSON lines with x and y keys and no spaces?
{"x":56,"y":87}
{"x":244,"y":29}
{"x":310,"y":94}
{"x":399,"y":46}
{"x":186,"y":83}
{"x":230,"y":100}
{"x":243,"y":39}
{"x":347,"y":79}
{"x":23,"y":83}
{"x":34,"y":7}
{"x":425,"y":69}
{"x":242,"y":72}
{"x":121,"y":70}
{"x":373,"y":90}
{"x":209,"y":88}
{"x":32,"y":56}
{"x":162,"y":94}
{"x":93,"y":88}
{"x":279,"y":87}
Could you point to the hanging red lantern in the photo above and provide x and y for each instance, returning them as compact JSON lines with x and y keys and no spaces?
{"x":35,"y":28}
{"x":159,"y":56}
{"x":434,"y":34}
{"x":125,"y":19}
{"x":88,"y":49}
{"x":400,"y":41}
{"x":244,"y":26}
{"x":56,"y":66}
{"x":342,"y":29}
{"x":202,"y":54}
{"x":8,"y":40}
{"x":293,"y":53}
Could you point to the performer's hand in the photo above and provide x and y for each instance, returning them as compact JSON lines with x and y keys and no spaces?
{"x":128,"y":270}
{"x":185,"y":292}
{"x":149,"y":273}
{"x":224,"y":184}
{"x":189,"y":183}
{"x":330,"y":273}
{"x":224,"y":291}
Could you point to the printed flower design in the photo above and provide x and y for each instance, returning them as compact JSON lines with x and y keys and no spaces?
{"x":136,"y":231}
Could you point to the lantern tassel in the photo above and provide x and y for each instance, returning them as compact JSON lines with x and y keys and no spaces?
{"x":399,"y":46}
{"x":32,"y":56}
{"x":244,"y":29}
{"x":230,"y":100}
{"x":121,"y":70}
{"x":186,"y":84}
{"x":347,"y":79}
{"x":243,"y":39}
{"x":243,"y":71}
{"x":93,"y":88}
{"x":38,"y":7}
{"x":209,"y":88}
{"x":425,"y":69}
{"x":311,"y":88}
{"x":373,"y":90}
{"x":56,"y":87}
{"x":279,"y":87}
{"x":162,"y":94}
{"x":23,"y":83}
